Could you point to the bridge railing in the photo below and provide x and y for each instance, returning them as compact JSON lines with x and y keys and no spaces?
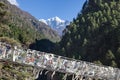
{"x":54,"y":62}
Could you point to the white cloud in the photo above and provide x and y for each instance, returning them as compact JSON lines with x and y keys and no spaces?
{"x":13,"y":2}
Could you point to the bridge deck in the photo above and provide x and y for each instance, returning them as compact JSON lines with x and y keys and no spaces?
{"x":57,"y":63}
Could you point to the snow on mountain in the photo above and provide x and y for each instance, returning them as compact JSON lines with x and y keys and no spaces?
{"x":56,"y":24}
{"x":13,"y":2}
{"x":44,"y":21}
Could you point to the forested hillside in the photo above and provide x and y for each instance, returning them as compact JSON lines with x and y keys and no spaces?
{"x":95,"y":34}
{"x":21,"y":26}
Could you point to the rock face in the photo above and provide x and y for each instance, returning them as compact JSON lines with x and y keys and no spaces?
{"x":56,"y":24}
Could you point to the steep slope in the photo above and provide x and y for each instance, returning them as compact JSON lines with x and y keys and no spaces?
{"x":95,"y":34}
{"x":24,"y":27}
{"x":56,"y":24}
{"x":10,"y":71}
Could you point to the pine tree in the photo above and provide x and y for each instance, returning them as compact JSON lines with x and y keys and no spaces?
{"x":95,"y":33}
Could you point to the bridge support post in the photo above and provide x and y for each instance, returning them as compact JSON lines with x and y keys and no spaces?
{"x":37,"y":73}
{"x":89,"y":78}
{"x":118,"y":75}
{"x":81,"y":78}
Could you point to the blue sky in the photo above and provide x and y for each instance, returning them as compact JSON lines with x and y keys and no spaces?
{"x":44,"y":9}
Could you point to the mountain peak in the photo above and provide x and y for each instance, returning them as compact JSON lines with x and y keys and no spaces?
{"x":56,"y":18}
{"x":56,"y":24}
{"x":44,"y":21}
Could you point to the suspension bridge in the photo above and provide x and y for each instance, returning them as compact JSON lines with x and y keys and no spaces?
{"x":55,"y":63}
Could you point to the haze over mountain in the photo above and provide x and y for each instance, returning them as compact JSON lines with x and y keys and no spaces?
{"x":56,"y":24}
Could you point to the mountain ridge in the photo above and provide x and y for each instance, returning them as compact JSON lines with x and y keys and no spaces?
{"x":22,"y":26}
{"x":56,"y":24}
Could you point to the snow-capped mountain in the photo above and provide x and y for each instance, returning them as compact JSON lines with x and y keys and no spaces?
{"x":56,"y":24}
{"x":13,"y":2}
